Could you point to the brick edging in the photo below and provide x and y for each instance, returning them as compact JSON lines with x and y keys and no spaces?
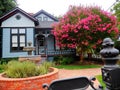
{"x":30,"y":83}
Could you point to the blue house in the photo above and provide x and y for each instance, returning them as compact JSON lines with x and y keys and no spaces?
{"x":17,"y":28}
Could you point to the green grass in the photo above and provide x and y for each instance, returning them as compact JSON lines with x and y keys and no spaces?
{"x":99,"y":78}
{"x":77,"y":66}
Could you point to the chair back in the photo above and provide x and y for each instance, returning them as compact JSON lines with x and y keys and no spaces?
{"x":77,"y":83}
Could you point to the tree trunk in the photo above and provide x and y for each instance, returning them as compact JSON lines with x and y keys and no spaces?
{"x":81,"y":57}
{"x":89,"y":56}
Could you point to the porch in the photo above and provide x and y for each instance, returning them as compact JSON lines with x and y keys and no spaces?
{"x":59,"y":52}
{"x":49,"y":54}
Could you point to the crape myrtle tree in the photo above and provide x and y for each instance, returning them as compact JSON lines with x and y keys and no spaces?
{"x":84,"y":28}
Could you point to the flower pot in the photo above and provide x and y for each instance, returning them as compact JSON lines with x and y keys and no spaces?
{"x":30,"y":83}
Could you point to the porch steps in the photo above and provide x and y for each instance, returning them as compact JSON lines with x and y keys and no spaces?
{"x":43,"y":58}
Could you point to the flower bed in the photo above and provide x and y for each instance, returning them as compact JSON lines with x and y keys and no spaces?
{"x":30,"y":83}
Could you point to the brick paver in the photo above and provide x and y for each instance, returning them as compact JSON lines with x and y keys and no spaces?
{"x":63,"y":73}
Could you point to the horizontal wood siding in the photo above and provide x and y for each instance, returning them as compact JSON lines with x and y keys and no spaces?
{"x":0,"y":42}
{"x":6,"y":43}
{"x":13,"y":22}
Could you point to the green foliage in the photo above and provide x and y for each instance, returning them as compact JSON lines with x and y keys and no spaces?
{"x":44,"y":67}
{"x":63,"y":60}
{"x":6,"y":60}
{"x":16,"y":69}
{"x":116,"y":12}
{"x":6,"y":6}
{"x":3,"y":63}
{"x":2,"y":67}
{"x":117,"y":45}
{"x":47,"y":64}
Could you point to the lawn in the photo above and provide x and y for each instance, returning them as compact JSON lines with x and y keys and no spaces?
{"x":99,"y":78}
{"x":77,"y":66}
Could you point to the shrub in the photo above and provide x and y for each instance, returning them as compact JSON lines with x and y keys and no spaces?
{"x":16,"y":69}
{"x":63,"y":60}
{"x":44,"y":68}
{"x":2,"y":67}
{"x":6,"y":60}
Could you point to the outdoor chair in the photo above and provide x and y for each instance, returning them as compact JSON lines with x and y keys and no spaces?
{"x":77,"y":83}
{"x":113,"y":79}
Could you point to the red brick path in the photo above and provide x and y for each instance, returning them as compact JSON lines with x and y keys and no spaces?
{"x":63,"y":73}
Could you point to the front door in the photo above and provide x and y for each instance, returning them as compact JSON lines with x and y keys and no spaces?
{"x":51,"y":43}
{"x":41,"y":44}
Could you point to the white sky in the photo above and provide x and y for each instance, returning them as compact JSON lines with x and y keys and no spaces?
{"x":59,"y":7}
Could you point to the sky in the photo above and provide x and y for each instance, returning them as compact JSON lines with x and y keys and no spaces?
{"x":60,"y":7}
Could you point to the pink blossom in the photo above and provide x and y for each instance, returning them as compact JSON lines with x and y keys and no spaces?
{"x":84,"y":26}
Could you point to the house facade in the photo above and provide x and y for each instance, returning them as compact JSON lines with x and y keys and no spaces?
{"x":17,"y":28}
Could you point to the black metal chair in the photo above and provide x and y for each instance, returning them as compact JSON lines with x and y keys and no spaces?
{"x":112,"y":79}
{"x":77,"y":83}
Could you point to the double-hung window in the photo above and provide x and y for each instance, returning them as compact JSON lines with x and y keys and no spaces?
{"x":18,"y":39}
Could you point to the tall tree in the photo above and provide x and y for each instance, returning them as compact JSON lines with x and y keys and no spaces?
{"x":116,"y":11}
{"x":84,"y":28}
{"x":6,"y":6}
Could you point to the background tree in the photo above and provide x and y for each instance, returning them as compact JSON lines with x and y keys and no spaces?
{"x":6,"y":6}
{"x":84,"y":28}
{"x":116,"y":11}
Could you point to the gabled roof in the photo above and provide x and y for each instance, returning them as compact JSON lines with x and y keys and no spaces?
{"x":45,"y":24}
{"x":16,"y":10}
{"x":47,"y":14}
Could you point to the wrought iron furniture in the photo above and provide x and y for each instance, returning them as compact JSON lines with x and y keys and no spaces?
{"x":110,"y":70}
{"x":112,"y":79}
{"x":76,"y":83}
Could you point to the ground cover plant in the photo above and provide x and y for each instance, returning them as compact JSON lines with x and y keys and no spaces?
{"x":16,"y":69}
{"x":63,"y":60}
{"x":2,"y":67}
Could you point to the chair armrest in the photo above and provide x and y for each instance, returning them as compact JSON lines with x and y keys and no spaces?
{"x":45,"y":86}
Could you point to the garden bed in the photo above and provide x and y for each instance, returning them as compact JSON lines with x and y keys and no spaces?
{"x":30,"y":83}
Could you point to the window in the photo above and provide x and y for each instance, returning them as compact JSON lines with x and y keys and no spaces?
{"x":39,"y":18}
{"x":18,"y":17}
{"x":45,"y":18}
{"x":18,"y":37}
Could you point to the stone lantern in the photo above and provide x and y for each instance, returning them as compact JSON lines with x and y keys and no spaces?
{"x":110,"y":70}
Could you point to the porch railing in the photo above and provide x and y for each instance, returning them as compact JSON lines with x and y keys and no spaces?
{"x":60,"y":52}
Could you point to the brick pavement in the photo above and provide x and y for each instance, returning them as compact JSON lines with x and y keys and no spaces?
{"x":63,"y":73}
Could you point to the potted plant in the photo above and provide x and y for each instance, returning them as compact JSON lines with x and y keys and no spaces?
{"x":27,"y":75}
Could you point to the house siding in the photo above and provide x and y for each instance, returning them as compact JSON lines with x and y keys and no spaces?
{"x":13,"y":22}
{"x":0,"y":42}
{"x":30,"y":36}
{"x":6,"y":43}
